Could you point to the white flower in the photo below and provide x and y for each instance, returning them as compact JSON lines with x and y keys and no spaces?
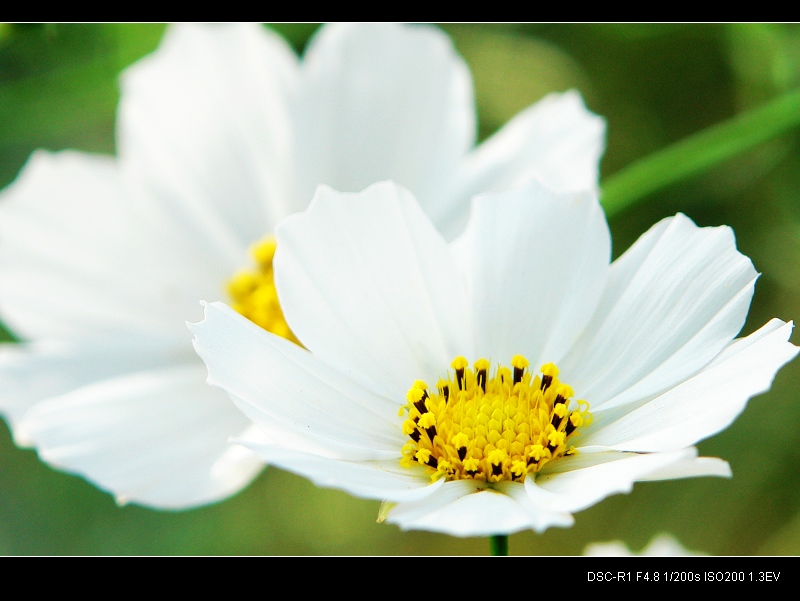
{"x":221,"y":133}
{"x":662,"y":545}
{"x":382,"y":301}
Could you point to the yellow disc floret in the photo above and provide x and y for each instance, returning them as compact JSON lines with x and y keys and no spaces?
{"x":491,"y":427}
{"x":253,"y":292}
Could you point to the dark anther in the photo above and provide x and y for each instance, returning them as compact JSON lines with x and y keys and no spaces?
{"x":518,"y":373}
{"x":462,"y":452}
{"x":570,"y":427}
{"x":531,"y":461}
{"x":546,"y":381}
{"x":415,"y":436}
{"x":482,"y":379}
{"x":552,"y":447}
{"x":515,"y":477}
{"x":431,"y":432}
{"x":420,"y":404}
{"x":446,"y":393}
{"x":556,"y":421}
{"x":559,"y":400}
{"x":416,"y":419}
{"x":433,"y":462}
{"x":497,"y":469}
{"x":472,"y":472}
{"x":460,"y":378}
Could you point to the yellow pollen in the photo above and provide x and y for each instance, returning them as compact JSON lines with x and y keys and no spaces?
{"x":415,"y":395}
{"x":253,"y":294}
{"x":519,"y":362}
{"x":491,"y":426}
{"x":459,"y":363}
{"x":427,"y":420}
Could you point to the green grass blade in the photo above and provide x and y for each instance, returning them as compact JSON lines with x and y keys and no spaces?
{"x":699,"y":152}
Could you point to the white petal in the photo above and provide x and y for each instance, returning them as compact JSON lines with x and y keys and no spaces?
{"x":370,"y":287}
{"x":536,"y":263}
{"x":383,"y":101}
{"x":673,"y":301}
{"x":203,"y":127}
{"x":572,"y":486}
{"x":540,"y":518}
{"x":284,"y":388}
{"x":70,"y":267}
{"x":30,"y":373}
{"x":460,"y":508}
{"x":157,"y":438}
{"x":706,"y":403}
{"x":384,"y":480}
{"x":691,"y":467}
{"x":557,"y":140}
{"x":611,"y":549}
{"x":666,"y":545}
{"x":661,"y":545}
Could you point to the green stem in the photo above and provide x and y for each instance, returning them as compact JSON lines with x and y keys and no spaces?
{"x":499,"y":544}
{"x":700,"y":151}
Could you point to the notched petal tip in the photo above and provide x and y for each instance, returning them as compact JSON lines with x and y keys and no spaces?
{"x":725,"y":231}
{"x":191,"y":325}
{"x":789,"y":323}
{"x":209,"y":308}
{"x":327,"y":198}
{"x":325,"y":194}
{"x":203,"y":329}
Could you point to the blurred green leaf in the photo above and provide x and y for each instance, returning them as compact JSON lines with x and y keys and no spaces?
{"x":786,"y":541}
{"x":297,"y":34}
{"x":134,"y":40}
{"x":69,"y":98}
{"x":764,"y":57}
{"x":700,"y":152}
{"x":44,"y":106}
{"x":511,"y":72}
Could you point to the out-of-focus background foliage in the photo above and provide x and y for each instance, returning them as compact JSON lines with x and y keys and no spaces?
{"x":655,"y":84}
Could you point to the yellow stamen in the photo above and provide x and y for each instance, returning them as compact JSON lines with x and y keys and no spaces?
{"x":253,"y":293}
{"x":491,"y":427}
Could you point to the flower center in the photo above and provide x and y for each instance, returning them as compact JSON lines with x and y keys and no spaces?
{"x":494,"y":428}
{"x":253,"y":293}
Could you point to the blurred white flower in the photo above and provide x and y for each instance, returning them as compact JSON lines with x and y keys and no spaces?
{"x":390,"y":312}
{"x":662,"y":545}
{"x":221,"y":133}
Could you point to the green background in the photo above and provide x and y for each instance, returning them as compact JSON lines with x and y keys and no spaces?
{"x":654,"y":84}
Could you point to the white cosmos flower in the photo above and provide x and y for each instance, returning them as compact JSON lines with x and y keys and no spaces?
{"x":662,"y":545}
{"x":221,"y":133}
{"x":381,"y":301}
